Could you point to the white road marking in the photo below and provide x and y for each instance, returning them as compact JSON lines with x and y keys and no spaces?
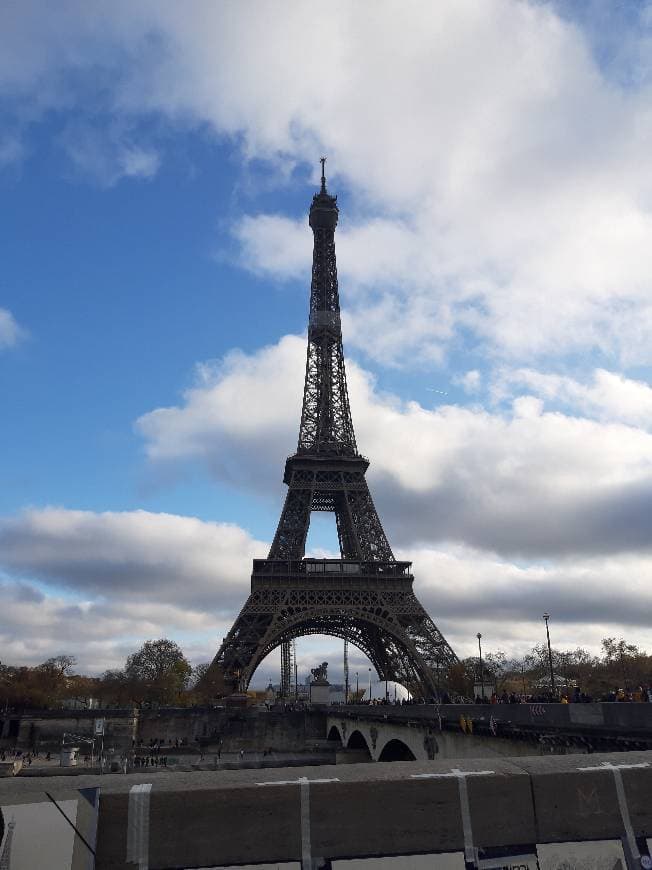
{"x":138,"y":825}
{"x":306,"y":849}
{"x":465,"y":809}
{"x":304,"y":782}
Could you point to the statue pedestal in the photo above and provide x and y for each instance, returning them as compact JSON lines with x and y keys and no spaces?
{"x":320,"y":693}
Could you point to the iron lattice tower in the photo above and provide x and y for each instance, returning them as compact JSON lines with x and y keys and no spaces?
{"x":366,"y":596}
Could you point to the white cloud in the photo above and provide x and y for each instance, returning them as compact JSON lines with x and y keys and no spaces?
{"x":107,"y":156}
{"x":97,"y":585}
{"x":520,"y":481}
{"x":588,"y":598}
{"x":502,"y":180}
{"x":10,"y":332}
{"x":610,"y":396}
{"x":242,"y":408}
{"x":35,"y":625}
{"x":272,"y":244}
{"x":470,"y":381}
{"x":188,"y":562}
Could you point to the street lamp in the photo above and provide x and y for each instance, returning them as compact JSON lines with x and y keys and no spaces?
{"x":479,"y":636}
{"x":357,"y":688}
{"x":546,"y":616}
{"x":370,"y":685}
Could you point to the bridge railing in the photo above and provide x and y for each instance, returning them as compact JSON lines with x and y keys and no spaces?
{"x":619,"y":718}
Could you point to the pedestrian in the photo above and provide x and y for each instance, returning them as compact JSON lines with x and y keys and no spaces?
{"x":241,"y":754}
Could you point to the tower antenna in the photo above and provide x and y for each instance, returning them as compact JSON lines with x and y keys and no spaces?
{"x":322,"y":160}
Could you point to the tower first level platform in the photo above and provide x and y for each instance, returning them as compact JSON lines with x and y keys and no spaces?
{"x":371,"y":604}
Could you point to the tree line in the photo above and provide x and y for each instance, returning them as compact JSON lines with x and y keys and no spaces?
{"x":621,"y":667}
{"x":159,"y":674}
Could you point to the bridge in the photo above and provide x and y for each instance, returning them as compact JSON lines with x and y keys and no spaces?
{"x":422,"y":732}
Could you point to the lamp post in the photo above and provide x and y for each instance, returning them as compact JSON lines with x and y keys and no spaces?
{"x":357,"y":688}
{"x":370,"y":685}
{"x":479,"y":636}
{"x":546,"y":616}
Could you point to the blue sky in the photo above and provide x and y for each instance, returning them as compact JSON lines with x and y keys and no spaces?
{"x":156,"y":166}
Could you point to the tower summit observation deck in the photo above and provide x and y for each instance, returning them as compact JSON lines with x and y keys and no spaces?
{"x":365,"y":596}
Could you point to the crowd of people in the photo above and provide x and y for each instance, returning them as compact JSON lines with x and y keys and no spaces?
{"x":640,"y":694}
{"x":26,"y":757}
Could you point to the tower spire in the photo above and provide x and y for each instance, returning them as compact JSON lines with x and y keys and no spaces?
{"x":326,"y":425}
{"x":322,"y":160}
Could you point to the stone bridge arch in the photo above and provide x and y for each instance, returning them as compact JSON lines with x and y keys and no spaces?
{"x":396,"y":750}
{"x":334,"y":734}
{"x":408,"y":742}
{"x":358,"y":740}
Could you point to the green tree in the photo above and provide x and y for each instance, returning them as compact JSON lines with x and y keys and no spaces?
{"x":114,"y":688}
{"x":159,"y":672}
{"x":199,"y":673}
{"x":625,"y":665}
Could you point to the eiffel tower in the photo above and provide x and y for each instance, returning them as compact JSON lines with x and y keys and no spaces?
{"x":366,"y":596}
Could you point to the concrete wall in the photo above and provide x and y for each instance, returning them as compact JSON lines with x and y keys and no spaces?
{"x":283,"y":731}
{"x":45,"y":729}
{"x":255,"y":816}
{"x":287,"y":731}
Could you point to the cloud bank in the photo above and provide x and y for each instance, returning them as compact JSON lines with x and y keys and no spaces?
{"x":96,"y":585}
{"x":520,"y":480}
{"x":499,"y":173}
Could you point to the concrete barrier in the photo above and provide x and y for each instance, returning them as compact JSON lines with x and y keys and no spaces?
{"x":212,"y":819}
